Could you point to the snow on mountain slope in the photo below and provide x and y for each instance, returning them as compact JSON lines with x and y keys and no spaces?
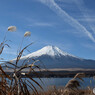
{"x":49,"y":50}
{"x":52,"y":57}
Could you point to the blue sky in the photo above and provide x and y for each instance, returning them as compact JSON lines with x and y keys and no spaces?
{"x":67,"y":24}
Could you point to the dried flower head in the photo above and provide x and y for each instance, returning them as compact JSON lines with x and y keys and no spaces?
{"x":79,"y":75}
{"x":23,"y":73}
{"x":32,"y":65}
{"x":27,"y":33}
{"x":12,"y":28}
{"x":11,"y":61}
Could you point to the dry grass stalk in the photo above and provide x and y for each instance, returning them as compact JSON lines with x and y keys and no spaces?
{"x":2,"y":45}
{"x":20,"y":86}
{"x":73,"y":85}
{"x":60,"y":91}
{"x":17,"y":85}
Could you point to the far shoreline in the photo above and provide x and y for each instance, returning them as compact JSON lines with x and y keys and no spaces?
{"x":57,"y":73}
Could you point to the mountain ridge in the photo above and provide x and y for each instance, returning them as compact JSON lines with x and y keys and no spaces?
{"x":52,"y":57}
{"x":49,"y":50}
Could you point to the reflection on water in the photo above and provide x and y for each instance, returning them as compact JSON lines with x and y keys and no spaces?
{"x":62,"y":82}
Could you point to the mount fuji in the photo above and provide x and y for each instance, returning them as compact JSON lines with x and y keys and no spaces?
{"x":54,"y":58}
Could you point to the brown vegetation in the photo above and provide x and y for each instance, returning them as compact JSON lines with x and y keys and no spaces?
{"x":60,"y":91}
{"x":15,"y":84}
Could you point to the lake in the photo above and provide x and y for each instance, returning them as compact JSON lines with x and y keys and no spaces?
{"x":59,"y":82}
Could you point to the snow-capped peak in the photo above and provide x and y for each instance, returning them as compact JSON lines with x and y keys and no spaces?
{"x":48,"y":50}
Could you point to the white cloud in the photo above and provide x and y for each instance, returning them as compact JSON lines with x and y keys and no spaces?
{"x":93,"y":28}
{"x":87,"y":17}
{"x":66,"y":1}
{"x":89,"y":46}
{"x":37,"y":22}
{"x":42,"y":24}
{"x":64,"y":15}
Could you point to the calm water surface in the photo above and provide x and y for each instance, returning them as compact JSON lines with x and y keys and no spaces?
{"x":58,"y":82}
